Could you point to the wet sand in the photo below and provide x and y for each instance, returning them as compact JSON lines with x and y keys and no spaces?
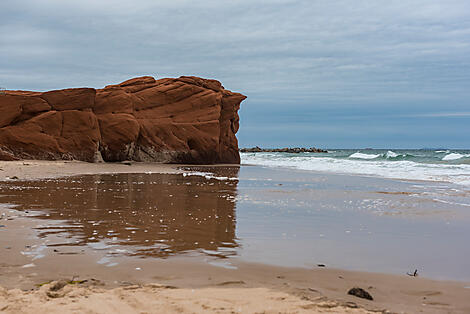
{"x":40,"y":169}
{"x":41,"y":242}
{"x":248,"y":286}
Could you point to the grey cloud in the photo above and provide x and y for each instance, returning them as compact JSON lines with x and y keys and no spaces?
{"x":285,"y":55}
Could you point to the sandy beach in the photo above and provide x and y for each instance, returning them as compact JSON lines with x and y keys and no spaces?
{"x":154,"y":298}
{"x":45,"y":277}
{"x":42,"y":169}
{"x":234,"y":157}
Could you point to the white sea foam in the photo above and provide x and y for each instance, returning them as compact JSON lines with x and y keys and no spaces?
{"x":401,"y":169}
{"x":208,"y":176}
{"x":364,"y":156}
{"x":391,"y":154}
{"x":453,"y":156}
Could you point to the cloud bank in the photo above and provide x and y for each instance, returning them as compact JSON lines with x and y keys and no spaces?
{"x":317,"y":59}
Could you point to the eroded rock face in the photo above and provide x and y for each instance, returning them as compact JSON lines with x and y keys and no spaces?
{"x":182,"y":120}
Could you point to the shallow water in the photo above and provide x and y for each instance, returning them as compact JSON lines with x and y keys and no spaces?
{"x":274,"y":216}
{"x":135,"y":214}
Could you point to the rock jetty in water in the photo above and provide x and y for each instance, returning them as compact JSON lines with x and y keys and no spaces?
{"x":294,"y":150}
{"x":172,"y":120}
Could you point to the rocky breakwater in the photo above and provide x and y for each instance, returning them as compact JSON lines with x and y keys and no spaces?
{"x":172,"y":120}
{"x":295,"y":150}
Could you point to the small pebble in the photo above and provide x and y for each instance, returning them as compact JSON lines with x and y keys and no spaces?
{"x":360,"y":293}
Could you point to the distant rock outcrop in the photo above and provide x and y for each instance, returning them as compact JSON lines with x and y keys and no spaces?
{"x":181,"y":120}
{"x":294,"y":150}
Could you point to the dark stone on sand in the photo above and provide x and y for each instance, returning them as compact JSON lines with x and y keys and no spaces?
{"x":58,"y":285}
{"x":360,"y":293}
{"x":235,"y":282}
{"x":294,"y":150}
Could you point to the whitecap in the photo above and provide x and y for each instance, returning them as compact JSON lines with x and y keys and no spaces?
{"x":453,"y":156}
{"x":399,"y":169}
{"x":391,"y":154}
{"x":364,"y":156}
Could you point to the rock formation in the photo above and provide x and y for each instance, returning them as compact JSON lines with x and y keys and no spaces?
{"x":295,"y":150}
{"x":182,"y":120}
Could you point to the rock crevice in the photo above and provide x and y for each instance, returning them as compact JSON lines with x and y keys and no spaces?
{"x":182,"y":120}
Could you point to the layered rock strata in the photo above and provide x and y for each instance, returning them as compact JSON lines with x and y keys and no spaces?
{"x":172,"y":120}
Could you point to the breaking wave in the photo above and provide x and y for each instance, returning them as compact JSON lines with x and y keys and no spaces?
{"x":364,"y":156}
{"x":416,"y":165}
{"x":454,"y":156}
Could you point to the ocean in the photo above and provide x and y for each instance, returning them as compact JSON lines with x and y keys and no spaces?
{"x":442,"y":165}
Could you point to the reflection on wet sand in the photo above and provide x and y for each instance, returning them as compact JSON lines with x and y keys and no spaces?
{"x":140,"y":214}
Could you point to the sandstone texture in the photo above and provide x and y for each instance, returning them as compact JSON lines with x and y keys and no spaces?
{"x":171,"y":120}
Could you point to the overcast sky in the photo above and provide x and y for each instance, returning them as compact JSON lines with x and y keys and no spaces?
{"x":317,"y":73}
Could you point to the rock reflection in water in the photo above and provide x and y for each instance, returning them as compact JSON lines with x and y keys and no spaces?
{"x":145,"y":214}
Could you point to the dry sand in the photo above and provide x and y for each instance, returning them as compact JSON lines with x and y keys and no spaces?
{"x":154,"y":298}
{"x":193,"y":286}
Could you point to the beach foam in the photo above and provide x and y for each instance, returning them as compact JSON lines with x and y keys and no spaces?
{"x":208,"y":175}
{"x":370,"y":165}
{"x":364,"y":156}
{"x":454,"y":156}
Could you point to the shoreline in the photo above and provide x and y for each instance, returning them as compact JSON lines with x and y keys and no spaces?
{"x":322,"y":289}
{"x":399,"y":166}
{"x":45,"y":169}
{"x":50,"y":169}
{"x":360,"y":175}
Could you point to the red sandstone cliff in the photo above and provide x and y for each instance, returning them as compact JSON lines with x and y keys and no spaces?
{"x":182,"y":120}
